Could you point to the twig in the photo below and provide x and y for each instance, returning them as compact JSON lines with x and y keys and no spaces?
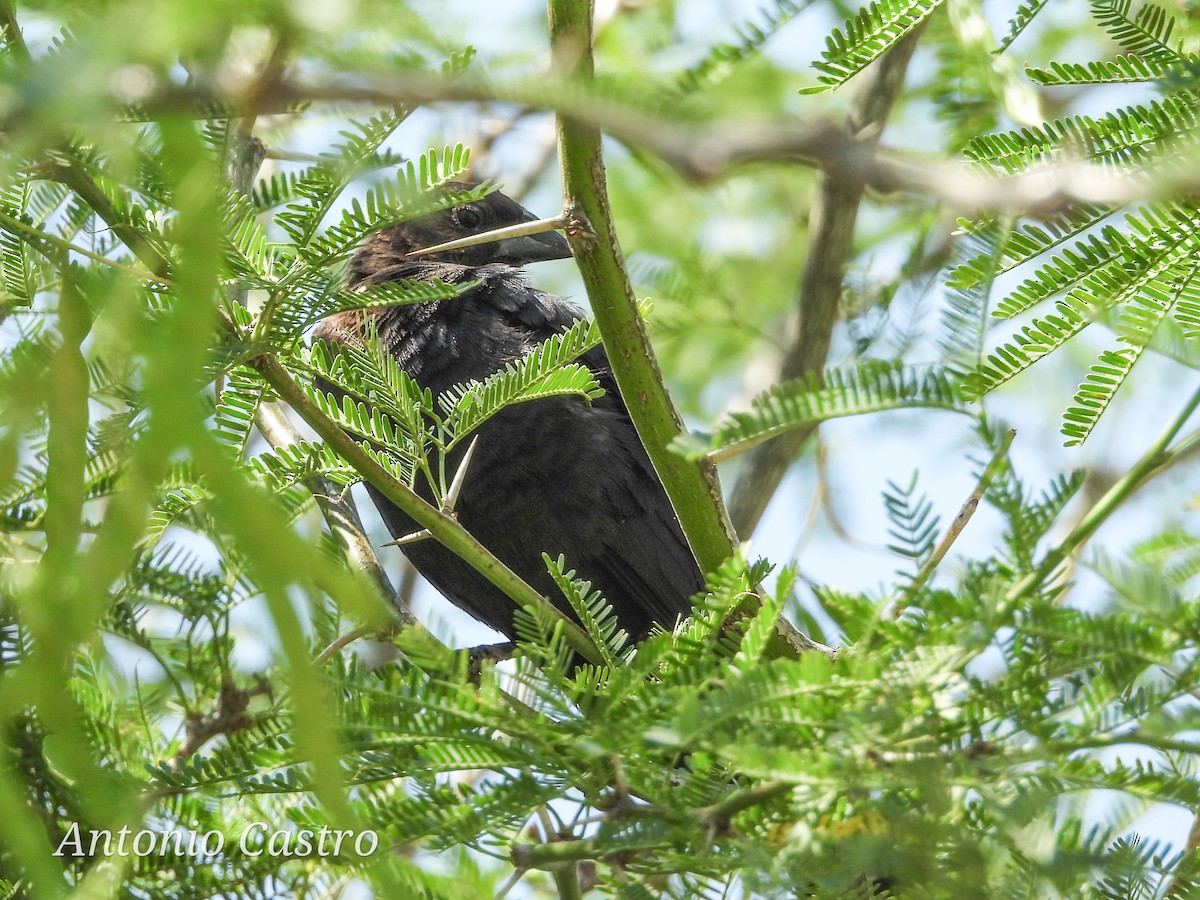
{"x":706,"y":151}
{"x":228,"y":718}
{"x":960,"y":522}
{"x":553,"y":854}
{"x":831,"y":244}
{"x":36,"y":235}
{"x":513,"y":880}
{"x":1156,"y":460}
{"x":12,"y":32}
{"x":63,"y":168}
{"x":566,"y":874}
{"x":339,"y":511}
{"x":341,"y":642}
{"x":719,"y":814}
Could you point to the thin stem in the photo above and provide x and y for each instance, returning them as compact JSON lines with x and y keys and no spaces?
{"x":960,"y":522}
{"x":554,"y":854}
{"x":71,"y":174}
{"x":341,"y":642}
{"x":720,"y":813}
{"x":14,"y":224}
{"x":1154,"y":461}
{"x":339,"y":511}
{"x":513,"y":880}
{"x":12,"y":32}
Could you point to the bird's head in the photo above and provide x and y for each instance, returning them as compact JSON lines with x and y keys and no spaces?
{"x":398,"y":244}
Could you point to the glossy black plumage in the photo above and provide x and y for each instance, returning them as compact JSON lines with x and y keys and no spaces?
{"x":555,"y":475}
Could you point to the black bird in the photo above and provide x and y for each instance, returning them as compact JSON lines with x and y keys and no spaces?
{"x":558,"y":475}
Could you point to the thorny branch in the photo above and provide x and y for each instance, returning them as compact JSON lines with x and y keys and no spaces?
{"x":692,"y":487}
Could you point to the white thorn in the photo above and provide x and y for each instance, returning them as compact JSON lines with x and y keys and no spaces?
{"x":459,"y":477}
{"x":413,"y":538}
{"x":538,"y":226}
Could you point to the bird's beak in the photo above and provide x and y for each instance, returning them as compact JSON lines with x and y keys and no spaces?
{"x":531,"y":241}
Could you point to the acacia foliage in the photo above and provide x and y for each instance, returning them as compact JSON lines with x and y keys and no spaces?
{"x":949,"y":748}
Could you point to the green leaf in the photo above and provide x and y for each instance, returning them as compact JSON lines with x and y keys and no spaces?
{"x":751,"y":36}
{"x":914,"y":525}
{"x":299,"y":311}
{"x":872,"y":386}
{"x":1138,"y":323}
{"x":1130,"y":138}
{"x":1146,"y":33}
{"x":237,"y":407}
{"x":546,"y":371}
{"x":1020,"y":20}
{"x":867,"y":36}
{"x":408,"y":197}
{"x":1118,"y":70}
{"x":593,"y":611}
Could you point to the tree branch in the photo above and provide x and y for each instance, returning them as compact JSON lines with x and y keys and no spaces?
{"x":228,"y":718}
{"x":703,"y":151}
{"x":341,"y":515}
{"x":444,"y":528}
{"x":692,"y":486}
{"x":831,"y":244}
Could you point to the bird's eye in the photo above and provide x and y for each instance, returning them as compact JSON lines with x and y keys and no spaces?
{"x":468,"y":216}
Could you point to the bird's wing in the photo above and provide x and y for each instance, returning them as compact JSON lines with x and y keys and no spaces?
{"x":645,"y":518}
{"x":632,"y":518}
